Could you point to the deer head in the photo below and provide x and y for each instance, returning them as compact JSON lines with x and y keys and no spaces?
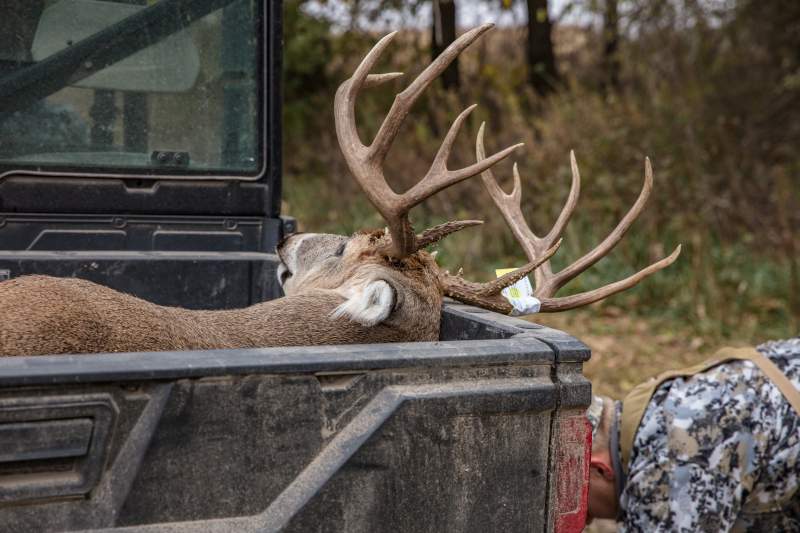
{"x":381,"y":272}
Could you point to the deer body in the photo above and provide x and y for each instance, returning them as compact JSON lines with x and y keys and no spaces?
{"x":46,"y":315}
{"x":83,"y":317}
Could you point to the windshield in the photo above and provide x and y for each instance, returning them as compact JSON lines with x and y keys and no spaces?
{"x":130,"y":86}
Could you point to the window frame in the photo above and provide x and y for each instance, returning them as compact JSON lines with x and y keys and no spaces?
{"x":93,"y":49}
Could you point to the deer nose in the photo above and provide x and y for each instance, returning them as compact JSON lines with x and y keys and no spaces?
{"x":287,"y":251}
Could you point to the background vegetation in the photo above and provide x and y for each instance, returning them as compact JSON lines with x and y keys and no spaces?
{"x":710,"y":90}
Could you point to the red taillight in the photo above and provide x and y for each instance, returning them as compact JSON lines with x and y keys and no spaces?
{"x":573,"y":452}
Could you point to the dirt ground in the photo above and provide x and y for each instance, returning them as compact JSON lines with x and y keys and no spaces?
{"x":627,"y":351}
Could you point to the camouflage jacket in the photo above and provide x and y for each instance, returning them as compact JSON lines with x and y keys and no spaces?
{"x":719,"y":451}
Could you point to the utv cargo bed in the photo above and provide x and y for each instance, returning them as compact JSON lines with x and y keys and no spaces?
{"x":482,"y":431}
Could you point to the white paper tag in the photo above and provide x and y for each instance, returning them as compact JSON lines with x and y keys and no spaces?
{"x":520,"y":295}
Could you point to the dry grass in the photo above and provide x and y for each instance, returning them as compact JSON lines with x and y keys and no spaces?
{"x":627,"y":350}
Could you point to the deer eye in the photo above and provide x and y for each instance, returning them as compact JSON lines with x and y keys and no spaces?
{"x":340,"y":250}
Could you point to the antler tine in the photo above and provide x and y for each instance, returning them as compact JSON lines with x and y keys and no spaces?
{"x":344,"y":110}
{"x":569,"y":205}
{"x":373,"y":80}
{"x":439,"y":177}
{"x":510,"y":207}
{"x":487,"y":295}
{"x":563,"y":277}
{"x":345,"y":99}
{"x":405,"y":100}
{"x":509,"y":204}
{"x":512,"y":277}
{"x":440,"y":231}
{"x":365,"y":161}
{"x":585,"y":298}
{"x":547,"y":283}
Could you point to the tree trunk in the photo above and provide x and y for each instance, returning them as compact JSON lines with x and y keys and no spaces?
{"x":443,"y":33}
{"x":542,"y":74}
{"x":611,"y":63}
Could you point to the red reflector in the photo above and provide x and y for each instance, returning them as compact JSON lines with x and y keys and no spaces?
{"x":572,"y":473}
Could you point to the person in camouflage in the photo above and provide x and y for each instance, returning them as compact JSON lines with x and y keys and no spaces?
{"x":715,"y":451}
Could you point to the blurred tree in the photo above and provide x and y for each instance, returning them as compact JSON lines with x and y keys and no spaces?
{"x":611,"y":60}
{"x":307,"y":51}
{"x":307,"y":85}
{"x":542,"y":73}
{"x":443,"y":33}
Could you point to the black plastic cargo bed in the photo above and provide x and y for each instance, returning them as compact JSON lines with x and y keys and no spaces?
{"x":483,"y":431}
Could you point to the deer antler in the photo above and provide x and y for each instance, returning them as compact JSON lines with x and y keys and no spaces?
{"x":488,"y":295}
{"x":365,"y":162}
{"x":538,"y":248}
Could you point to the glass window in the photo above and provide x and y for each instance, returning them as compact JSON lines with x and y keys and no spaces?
{"x":130,"y":86}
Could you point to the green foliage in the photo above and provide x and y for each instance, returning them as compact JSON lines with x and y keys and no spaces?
{"x":308,"y":49}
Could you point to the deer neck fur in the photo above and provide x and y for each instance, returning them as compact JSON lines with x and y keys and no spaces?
{"x":339,"y":290}
{"x":42,"y":315}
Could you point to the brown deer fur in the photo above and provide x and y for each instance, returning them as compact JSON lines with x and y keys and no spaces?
{"x":46,"y":315}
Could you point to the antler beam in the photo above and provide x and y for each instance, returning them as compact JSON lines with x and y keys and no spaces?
{"x":488,"y":295}
{"x":366,"y":162}
{"x":536,"y":248}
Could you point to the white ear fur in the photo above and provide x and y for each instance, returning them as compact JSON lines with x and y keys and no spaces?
{"x":368,"y":304}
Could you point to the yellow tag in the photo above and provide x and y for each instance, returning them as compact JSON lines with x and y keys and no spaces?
{"x":520,"y":294}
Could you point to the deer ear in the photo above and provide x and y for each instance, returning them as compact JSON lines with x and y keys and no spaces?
{"x":368,"y":304}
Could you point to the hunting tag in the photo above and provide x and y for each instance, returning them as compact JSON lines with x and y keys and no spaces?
{"x":520,"y":295}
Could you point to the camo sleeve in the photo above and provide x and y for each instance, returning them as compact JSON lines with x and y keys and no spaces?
{"x":699,"y":450}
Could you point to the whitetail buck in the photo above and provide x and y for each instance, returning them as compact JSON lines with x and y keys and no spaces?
{"x":372,"y":287}
{"x":375,"y":286}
